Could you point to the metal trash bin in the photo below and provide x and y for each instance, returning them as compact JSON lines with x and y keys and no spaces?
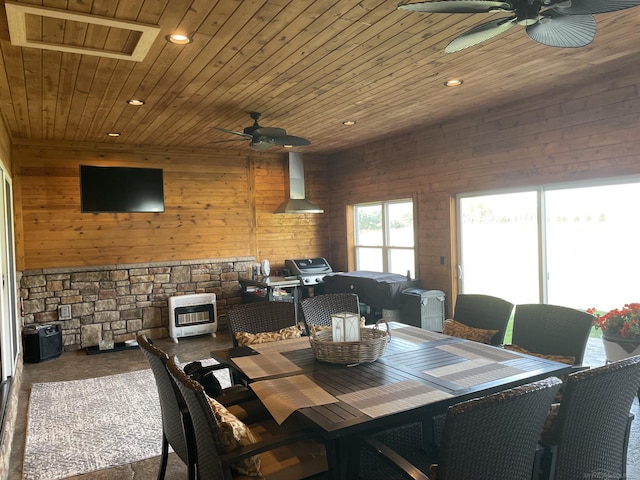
{"x":423,"y":308}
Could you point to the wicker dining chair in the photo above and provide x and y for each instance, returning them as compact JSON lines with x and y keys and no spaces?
{"x":177,"y":430}
{"x":283,"y":452}
{"x":552,"y":330}
{"x":485,"y":438}
{"x":485,"y":312}
{"x":590,"y":433}
{"x":318,"y":310}
{"x":260,"y":317}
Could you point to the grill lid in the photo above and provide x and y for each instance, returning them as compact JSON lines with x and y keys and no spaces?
{"x":308,"y":266}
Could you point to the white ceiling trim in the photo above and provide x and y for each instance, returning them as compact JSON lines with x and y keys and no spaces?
{"x":16,"y":18}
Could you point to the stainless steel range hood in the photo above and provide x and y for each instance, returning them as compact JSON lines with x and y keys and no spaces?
{"x":297,"y":202}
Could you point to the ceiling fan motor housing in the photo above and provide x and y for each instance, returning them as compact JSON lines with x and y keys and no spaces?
{"x":528,"y":13}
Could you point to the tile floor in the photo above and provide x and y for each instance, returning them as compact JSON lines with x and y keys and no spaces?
{"x":77,"y":365}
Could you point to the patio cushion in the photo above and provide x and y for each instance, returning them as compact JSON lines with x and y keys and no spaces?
{"x":245,"y":338}
{"x":555,"y":358}
{"x":460,"y":330}
{"x":236,"y":434}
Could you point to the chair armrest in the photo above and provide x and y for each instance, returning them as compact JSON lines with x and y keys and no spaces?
{"x":235,"y":394}
{"x":579,"y":368}
{"x":264,"y":446}
{"x":399,"y":463}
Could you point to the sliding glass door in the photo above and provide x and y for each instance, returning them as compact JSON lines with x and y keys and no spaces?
{"x":584,"y":254}
{"x":593,"y":249}
{"x":499,"y":246}
{"x":8,"y":303}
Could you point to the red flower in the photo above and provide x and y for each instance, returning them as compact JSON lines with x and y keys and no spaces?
{"x":625,"y":321}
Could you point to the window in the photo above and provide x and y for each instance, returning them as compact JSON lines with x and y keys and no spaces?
{"x":384,"y":237}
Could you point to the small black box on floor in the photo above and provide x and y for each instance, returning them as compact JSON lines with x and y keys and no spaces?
{"x":41,"y":342}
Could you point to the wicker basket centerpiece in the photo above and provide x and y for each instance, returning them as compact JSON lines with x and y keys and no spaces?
{"x":371,"y":346}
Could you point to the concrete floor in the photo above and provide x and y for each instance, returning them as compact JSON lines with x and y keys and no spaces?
{"x":78,"y":365}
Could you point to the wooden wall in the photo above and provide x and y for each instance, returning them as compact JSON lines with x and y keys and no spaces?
{"x":217,"y":204}
{"x":5,"y":146}
{"x":583,"y":133}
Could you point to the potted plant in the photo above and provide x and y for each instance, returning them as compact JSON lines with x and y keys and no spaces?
{"x":620,"y":331}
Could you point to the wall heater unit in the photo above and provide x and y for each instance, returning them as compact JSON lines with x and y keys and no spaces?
{"x":192,"y":315}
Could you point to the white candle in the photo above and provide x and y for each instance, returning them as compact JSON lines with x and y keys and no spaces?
{"x":337,"y":328}
{"x":345,"y":327}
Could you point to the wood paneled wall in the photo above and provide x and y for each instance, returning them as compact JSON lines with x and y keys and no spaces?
{"x":217,"y":204}
{"x":579,"y":134}
{"x":5,"y":146}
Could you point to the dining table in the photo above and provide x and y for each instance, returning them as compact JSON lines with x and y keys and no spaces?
{"x":420,"y":374}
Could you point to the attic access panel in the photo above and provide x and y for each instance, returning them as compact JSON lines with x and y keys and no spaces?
{"x":26,"y":22}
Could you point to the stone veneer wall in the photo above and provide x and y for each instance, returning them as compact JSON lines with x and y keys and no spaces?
{"x":116,"y":302}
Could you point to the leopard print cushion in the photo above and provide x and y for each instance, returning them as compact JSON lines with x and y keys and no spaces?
{"x":555,"y":358}
{"x":236,"y":434}
{"x":245,"y":338}
{"x":460,"y":330}
{"x":549,"y":429}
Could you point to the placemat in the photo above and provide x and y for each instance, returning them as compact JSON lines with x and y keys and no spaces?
{"x":283,"y":396}
{"x":265,"y":365}
{"x":395,"y":397}
{"x":474,"y":350}
{"x":414,"y":336}
{"x":474,"y":372}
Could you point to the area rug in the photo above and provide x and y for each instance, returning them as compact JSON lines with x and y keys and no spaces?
{"x":82,"y":426}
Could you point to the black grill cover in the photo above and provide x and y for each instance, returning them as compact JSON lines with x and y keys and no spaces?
{"x":375,"y":289}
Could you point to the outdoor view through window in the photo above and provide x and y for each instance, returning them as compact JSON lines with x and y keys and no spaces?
{"x":384,"y":237}
{"x":584,"y":255}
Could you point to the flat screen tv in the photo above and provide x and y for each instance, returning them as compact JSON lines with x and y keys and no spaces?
{"x":121,"y":189}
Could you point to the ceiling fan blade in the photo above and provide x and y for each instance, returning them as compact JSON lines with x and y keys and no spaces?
{"x":480,"y":33}
{"x":232,"y":140}
{"x":566,"y":31}
{"x":269,"y":131}
{"x":586,"y":7}
{"x":457,"y":6}
{"x":289,"y":140}
{"x":233,"y":132}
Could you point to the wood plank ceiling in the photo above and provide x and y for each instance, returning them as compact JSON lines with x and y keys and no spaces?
{"x":306,"y":65}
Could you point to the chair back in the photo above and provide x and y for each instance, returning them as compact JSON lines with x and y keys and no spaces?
{"x":172,"y":405}
{"x":491,"y":437}
{"x":484,"y":311}
{"x":593,"y":421}
{"x":552,"y":330}
{"x":318,"y":309}
{"x":260,"y":317}
{"x":207,"y":433}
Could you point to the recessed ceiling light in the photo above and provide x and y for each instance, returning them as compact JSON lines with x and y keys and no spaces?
{"x":349,"y":122}
{"x":454,"y":82}
{"x":113,"y":134}
{"x":135,"y":102}
{"x":179,"y":39}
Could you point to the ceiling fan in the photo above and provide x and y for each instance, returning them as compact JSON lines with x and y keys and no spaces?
{"x":555,"y":23}
{"x":263,"y":138}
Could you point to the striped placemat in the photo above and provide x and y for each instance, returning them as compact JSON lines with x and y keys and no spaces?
{"x":391,"y":398}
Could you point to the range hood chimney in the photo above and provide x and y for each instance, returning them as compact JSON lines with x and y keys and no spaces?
{"x":297,"y":202}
